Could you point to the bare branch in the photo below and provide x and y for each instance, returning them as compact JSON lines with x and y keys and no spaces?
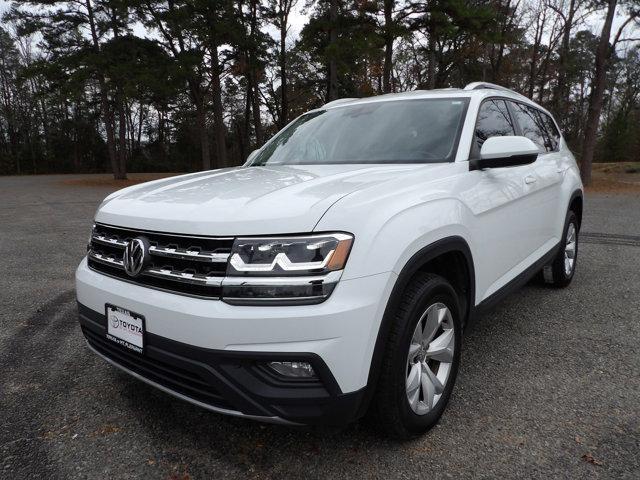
{"x":631,"y":18}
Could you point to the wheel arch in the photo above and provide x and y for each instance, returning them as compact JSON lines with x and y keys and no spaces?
{"x":576,"y":204}
{"x":432,"y":258}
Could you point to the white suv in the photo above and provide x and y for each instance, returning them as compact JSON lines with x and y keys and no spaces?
{"x":333,"y":274}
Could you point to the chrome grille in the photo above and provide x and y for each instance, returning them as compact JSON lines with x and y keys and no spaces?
{"x":183,"y":264}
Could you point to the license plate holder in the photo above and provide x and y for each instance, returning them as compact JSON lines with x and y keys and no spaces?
{"x":126,"y":328}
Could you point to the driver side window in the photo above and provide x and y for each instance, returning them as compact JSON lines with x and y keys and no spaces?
{"x":493,"y":120}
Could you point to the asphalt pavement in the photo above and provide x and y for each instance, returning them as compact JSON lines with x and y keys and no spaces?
{"x":549,"y":385}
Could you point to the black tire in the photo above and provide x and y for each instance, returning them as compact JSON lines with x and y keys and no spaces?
{"x":390,"y":409}
{"x":555,"y":274}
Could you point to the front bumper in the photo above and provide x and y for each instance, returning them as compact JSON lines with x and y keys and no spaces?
{"x":233,"y":383}
{"x":214,"y":354}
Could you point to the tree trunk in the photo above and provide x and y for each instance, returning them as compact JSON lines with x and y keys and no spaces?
{"x":603,"y":53}
{"x":284,"y":101}
{"x":431,"y":61}
{"x":201,"y":120}
{"x":561,"y":93}
{"x":197,"y":92}
{"x":107,"y":117}
{"x":140,"y":123}
{"x":241,"y":142}
{"x":122,"y":141}
{"x":332,"y":91}
{"x":537,"y":41}
{"x":542,"y":74}
{"x":161,"y":137}
{"x":107,"y":114}
{"x":75,"y":136}
{"x":388,"y":46}
{"x":496,"y":67}
{"x":257,"y":120}
{"x":197,"y":97}
{"x":218,"y":119}
{"x":247,"y":114}
{"x":253,"y":77}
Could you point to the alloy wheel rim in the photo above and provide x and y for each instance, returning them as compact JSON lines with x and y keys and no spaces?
{"x":570,"y":249}
{"x":430,"y":358}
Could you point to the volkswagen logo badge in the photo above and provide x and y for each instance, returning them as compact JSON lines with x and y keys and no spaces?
{"x":136,"y":255}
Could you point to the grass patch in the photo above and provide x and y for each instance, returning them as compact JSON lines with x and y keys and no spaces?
{"x":623,"y":177}
{"x":607,"y":185}
{"x":619,"y":167}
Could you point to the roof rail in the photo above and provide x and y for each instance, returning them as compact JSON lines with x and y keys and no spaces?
{"x":338,"y":102}
{"x":492,"y":86}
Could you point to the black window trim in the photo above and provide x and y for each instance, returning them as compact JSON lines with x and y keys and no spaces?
{"x":473,"y":150}
{"x":540,"y":112}
{"x":473,"y":153}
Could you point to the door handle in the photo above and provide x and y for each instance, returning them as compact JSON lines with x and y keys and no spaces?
{"x":529,"y":179}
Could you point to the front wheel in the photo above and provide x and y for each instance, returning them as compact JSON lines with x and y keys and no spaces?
{"x":421,"y":359}
{"x":560,"y":272}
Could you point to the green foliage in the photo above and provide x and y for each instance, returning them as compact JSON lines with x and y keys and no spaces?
{"x":620,"y":139}
{"x":141,"y":68}
{"x":356,"y":51}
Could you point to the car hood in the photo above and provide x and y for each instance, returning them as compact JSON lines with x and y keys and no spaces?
{"x":245,"y":200}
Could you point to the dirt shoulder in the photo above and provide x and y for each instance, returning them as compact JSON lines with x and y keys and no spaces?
{"x":623,"y":177}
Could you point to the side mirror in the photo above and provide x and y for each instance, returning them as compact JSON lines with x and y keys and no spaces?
{"x":497,"y":152}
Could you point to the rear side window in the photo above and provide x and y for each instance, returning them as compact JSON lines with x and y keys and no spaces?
{"x":531,"y":126}
{"x":493,"y":121}
{"x":552,"y":131}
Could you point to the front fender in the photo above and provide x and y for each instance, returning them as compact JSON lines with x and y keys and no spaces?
{"x":388,"y":235}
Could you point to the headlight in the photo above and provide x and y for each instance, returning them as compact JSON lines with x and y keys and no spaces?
{"x":285,"y":270}
{"x":276,"y":256}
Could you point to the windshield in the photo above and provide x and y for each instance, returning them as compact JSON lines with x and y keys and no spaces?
{"x":400,"y":131}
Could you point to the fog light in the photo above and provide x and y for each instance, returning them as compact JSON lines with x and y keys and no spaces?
{"x":293,"y":369}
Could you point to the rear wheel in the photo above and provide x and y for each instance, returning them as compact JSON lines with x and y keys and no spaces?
{"x":560,"y":272}
{"x":421,"y":359}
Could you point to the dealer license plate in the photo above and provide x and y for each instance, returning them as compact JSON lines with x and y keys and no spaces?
{"x":125,"y":328}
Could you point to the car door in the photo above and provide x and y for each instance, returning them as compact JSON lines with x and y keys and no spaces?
{"x":557,"y":161}
{"x":544,"y":183}
{"x":501,"y":204}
